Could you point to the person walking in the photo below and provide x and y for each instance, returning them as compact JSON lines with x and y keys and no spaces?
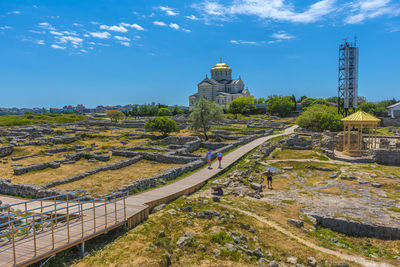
{"x":219,"y":157}
{"x":269,"y":178}
{"x":208,"y":156}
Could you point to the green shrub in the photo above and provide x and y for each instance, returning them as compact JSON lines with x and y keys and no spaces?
{"x":280,"y":105}
{"x":163,"y":125}
{"x":221,"y":238}
{"x":164,"y":112}
{"x":320,"y":118}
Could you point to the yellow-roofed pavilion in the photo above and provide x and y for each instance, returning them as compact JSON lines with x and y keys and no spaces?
{"x":361,"y":121}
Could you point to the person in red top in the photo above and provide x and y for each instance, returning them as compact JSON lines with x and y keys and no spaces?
{"x":219,"y":157}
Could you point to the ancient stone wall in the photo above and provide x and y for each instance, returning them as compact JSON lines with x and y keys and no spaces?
{"x":387,"y":156}
{"x":36,"y":167}
{"x":354,"y":228}
{"x":390,"y":122}
{"x":296,"y":142}
{"x":5,"y":150}
{"x":25,"y":190}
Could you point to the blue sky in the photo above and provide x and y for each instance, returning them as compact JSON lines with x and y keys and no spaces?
{"x":99,"y":52}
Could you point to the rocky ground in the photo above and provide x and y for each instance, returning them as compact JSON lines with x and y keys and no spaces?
{"x":236,"y":221}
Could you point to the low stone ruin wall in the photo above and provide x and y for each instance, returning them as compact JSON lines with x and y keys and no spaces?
{"x":297,"y":142}
{"x":36,"y":167}
{"x":5,"y":150}
{"x":163,"y":158}
{"x":353,"y":228}
{"x":390,"y":122}
{"x":79,"y":155}
{"x":213,"y":145}
{"x":169,"y":174}
{"x":387,"y":156}
{"x":113,"y":166}
{"x":49,"y":140}
{"x":26,"y":190}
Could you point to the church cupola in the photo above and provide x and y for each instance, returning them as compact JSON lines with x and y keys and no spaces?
{"x":221,"y":72}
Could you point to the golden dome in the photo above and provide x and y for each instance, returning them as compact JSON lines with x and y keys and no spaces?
{"x":221,"y":65}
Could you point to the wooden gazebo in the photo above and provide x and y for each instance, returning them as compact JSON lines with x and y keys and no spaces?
{"x":361,"y":121}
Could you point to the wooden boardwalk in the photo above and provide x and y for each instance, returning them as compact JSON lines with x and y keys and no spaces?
{"x":90,"y":219}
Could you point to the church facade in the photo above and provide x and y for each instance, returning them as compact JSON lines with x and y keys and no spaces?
{"x":220,"y":88}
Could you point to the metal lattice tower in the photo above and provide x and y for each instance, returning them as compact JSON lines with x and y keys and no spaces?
{"x":348,"y":78}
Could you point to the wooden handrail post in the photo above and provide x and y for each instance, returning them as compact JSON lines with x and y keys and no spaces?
{"x":41,"y":215}
{"x":115,"y":209}
{"x":125,"y":208}
{"x":52,"y":231}
{"x":34,"y":235}
{"x":13,"y":242}
{"x":26,"y":210}
{"x":68,"y":222}
{"x":105,"y":213}
{"x":94,"y":217}
{"x":81,"y":206}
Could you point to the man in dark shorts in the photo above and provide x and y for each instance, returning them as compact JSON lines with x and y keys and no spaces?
{"x":269,"y":178}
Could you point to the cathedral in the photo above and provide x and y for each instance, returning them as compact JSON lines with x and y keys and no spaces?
{"x":220,"y":88}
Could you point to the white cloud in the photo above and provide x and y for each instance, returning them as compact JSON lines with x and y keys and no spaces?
{"x":56,"y":33}
{"x":159,"y":23}
{"x":83,"y":51}
{"x":77,"y":24}
{"x":6,"y":28}
{"x":74,"y":40}
{"x":16,"y":12}
{"x":40,"y":42}
{"x":101,"y":35}
{"x":94,"y":22}
{"x":69,"y":33}
{"x":86,"y":35}
{"x":137,"y":37}
{"x":186,"y":30}
{"x":268,"y":9}
{"x":169,"y":11}
{"x":37,"y":32}
{"x":114,"y":28}
{"x":133,"y":26}
{"x":192,"y":17}
{"x":58,"y":47}
{"x":244,"y":42}
{"x":46,"y":26}
{"x":367,"y":9}
{"x":174,"y":26}
{"x":122,"y":38}
{"x":282,"y":35}
{"x":125,"y":44}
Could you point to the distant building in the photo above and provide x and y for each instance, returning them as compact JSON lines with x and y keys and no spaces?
{"x":220,"y":88}
{"x":394,"y":110}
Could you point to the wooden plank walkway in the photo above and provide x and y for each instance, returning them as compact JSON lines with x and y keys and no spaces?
{"x":131,"y":211}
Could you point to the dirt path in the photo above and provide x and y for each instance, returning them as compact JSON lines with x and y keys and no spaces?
{"x":347,"y":257}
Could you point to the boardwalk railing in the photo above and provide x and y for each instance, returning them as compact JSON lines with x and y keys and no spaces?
{"x":49,"y":227}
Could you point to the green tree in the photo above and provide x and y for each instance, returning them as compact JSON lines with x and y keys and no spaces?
{"x":241,"y":105}
{"x":386,"y":103}
{"x":176,"y":110}
{"x":293,"y":97}
{"x":281,"y":105}
{"x":203,"y":114}
{"x":164,"y":112}
{"x":115,"y":115}
{"x":367,"y":107}
{"x":320,"y":117}
{"x":163,"y":125}
{"x":333,"y":99}
{"x":259,"y":100}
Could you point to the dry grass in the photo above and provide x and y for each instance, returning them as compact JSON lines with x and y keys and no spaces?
{"x":48,"y":175}
{"x":103,"y":182}
{"x":142,"y":246}
{"x":296,"y":154}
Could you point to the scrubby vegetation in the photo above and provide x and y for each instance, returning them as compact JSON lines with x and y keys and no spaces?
{"x":320,"y":117}
{"x":26,"y":119}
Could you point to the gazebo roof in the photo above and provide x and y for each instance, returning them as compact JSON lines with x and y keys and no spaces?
{"x":360,"y":117}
